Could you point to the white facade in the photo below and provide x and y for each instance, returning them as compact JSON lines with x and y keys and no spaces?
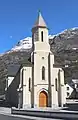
{"x":9,"y":80}
{"x":69,"y":90}
{"x":41,"y":84}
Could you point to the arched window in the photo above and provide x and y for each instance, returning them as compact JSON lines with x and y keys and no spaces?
{"x":42,"y":36}
{"x":29,"y":84}
{"x":56,"y":85}
{"x":43,"y":73}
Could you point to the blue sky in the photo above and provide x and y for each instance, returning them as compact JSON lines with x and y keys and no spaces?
{"x":18,"y":16}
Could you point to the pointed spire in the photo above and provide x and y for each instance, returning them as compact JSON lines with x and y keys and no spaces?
{"x":40,"y":21}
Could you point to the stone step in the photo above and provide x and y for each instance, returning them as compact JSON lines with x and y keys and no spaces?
{"x":63,"y":114}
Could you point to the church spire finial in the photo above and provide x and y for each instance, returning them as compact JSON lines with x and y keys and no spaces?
{"x":40,"y":21}
{"x":39,"y":12}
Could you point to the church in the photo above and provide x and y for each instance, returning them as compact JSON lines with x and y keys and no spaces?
{"x":41,"y":82}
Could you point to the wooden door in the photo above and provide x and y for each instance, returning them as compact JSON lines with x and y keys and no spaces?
{"x":43,"y":99}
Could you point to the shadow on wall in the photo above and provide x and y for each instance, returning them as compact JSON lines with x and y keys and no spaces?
{"x":11,"y":93}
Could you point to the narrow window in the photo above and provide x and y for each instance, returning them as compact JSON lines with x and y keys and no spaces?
{"x":67,"y":94}
{"x":56,"y":86}
{"x":43,"y":73}
{"x":67,"y":88}
{"x":29,"y":84}
{"x":77,"y":86}
{"x":42,"y":36}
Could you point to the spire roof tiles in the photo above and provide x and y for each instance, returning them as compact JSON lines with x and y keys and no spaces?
{"x":40,"y":21}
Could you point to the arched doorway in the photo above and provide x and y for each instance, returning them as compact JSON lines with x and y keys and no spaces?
{"x":43,"y":99}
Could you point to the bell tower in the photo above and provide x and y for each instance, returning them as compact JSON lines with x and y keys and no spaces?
{"x":39,"y":29}
{"x":40,"y":35}
{"x":41,"y":58}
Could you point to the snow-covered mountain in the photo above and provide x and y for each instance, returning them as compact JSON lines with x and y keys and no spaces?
{"x":26,"y":43}
{"x":23,"y":44}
